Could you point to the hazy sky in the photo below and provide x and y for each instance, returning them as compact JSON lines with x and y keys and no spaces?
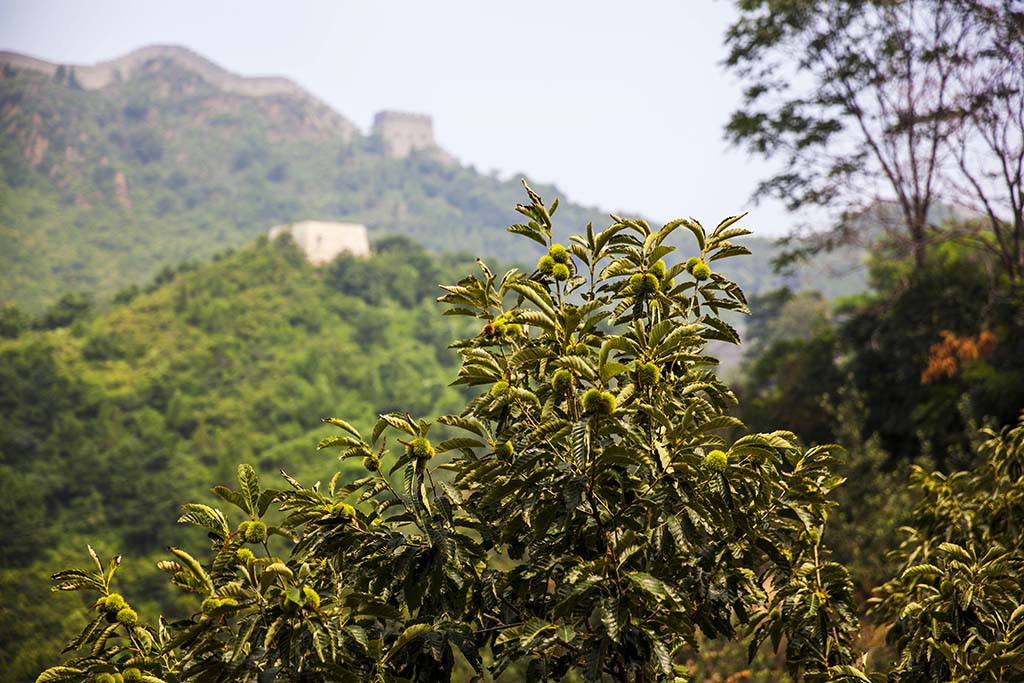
{"x":621,"y":106}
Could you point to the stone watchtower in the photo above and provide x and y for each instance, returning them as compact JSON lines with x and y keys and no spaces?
{"x":402,"y":132}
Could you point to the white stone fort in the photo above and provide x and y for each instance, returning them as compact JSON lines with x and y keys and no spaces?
{"x":322,"y":241}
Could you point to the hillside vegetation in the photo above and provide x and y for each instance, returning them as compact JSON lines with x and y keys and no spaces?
{"x":112,"y":421}
{"x":100,"y":189}
{"x":103,"y":188}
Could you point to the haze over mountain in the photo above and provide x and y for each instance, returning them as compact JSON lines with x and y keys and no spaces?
{"x":113,"y":171}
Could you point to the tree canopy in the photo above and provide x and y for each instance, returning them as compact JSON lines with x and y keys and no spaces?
{"x":905,"y":102}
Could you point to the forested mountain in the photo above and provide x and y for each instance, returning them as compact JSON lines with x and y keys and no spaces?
{"x":101,"y":188}
{"x":161,"y":157}
{"x":142,"y":407}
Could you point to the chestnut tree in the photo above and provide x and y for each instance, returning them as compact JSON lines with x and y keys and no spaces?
{"x":584,"y":515}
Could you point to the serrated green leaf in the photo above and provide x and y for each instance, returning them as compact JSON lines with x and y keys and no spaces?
{"x":408,"y":635}
{"x":459,"y":442}
{"x":194,"y":568}
{"x":60,"y":673}
{"x":250,"y":484}
{"x":721,"y":227}
{"x":339,"y":441}
{"x":608,"y":609}
{"x":928,"y":570}
{"x":842,"y":672}
{"x":338,"y":422}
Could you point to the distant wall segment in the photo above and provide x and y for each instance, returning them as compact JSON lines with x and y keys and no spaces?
{"x":103,"y":74}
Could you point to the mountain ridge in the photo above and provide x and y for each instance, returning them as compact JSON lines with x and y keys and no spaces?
{"x":119,"y":69}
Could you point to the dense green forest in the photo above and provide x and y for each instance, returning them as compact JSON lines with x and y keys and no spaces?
{"x":931,"y":352}
{"x":101,"y":189}
{"x":111,"y":420}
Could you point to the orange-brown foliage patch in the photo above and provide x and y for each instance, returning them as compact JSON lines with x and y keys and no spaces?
{"x":945,"y":357}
